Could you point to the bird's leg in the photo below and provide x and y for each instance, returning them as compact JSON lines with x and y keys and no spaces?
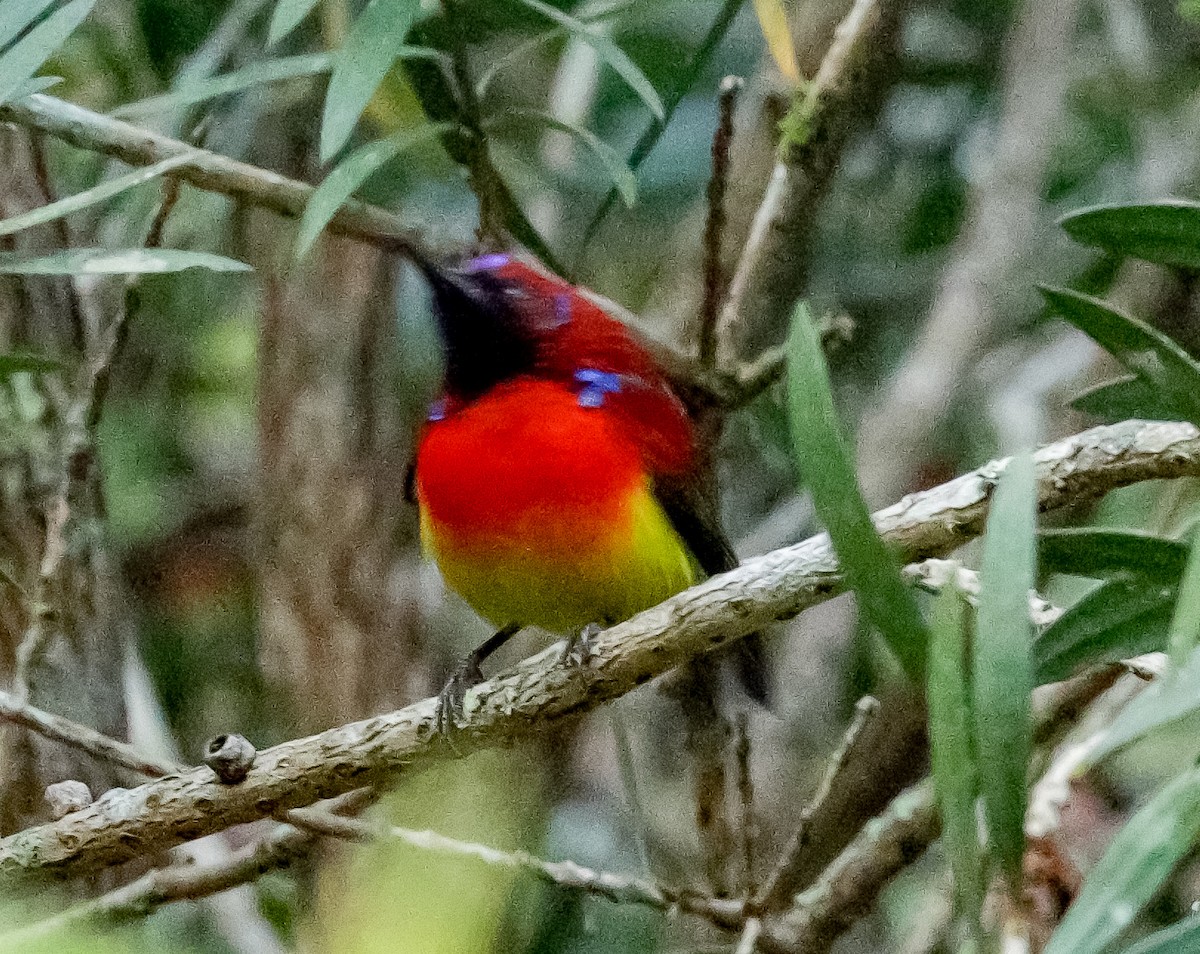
{"x":467,"y":674}
{"x":578,"y":650}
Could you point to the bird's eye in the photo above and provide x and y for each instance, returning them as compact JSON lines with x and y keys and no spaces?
{"x":437,"y":410}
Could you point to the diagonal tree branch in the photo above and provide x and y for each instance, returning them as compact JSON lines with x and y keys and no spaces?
{"x":770,"y":274}
{"x":206,"y":170}
{"x":520,"y":702}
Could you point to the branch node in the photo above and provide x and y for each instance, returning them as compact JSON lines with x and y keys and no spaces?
{"x":66,"y":797}
{"x":230,"y":756}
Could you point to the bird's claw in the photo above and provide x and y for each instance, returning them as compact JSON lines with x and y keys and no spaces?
{"x":578,"y":651}
{"x":454,"y":693}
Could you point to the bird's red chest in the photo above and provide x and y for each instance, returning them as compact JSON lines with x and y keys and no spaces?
{"x":526,"y":464}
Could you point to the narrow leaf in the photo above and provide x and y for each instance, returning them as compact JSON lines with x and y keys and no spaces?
{"x":1180,"y":938}
{"x":127,"y":261}
{"x":17,"y":15}
{"x":608,"y":51}
{"x":286,"y":17}
{"x":1164,"y":232}
{"x":1002,"y":672}
{"x":825,"y":461}
{"x":621,"y":175}
{"x":257,"y":74}
{"x":351,"y":173}
{"x":1118,"y":620}
{"x":25,"y":57}
{"x":952,"y":747}
{"x":1185,"y":622}
{"x":1101,"y":553}
{"x":1140,"y":859}
{"x":772,"y":19}
{"x":1123,"y":398}
{"x":105,"y":190}
{"x":683,"y":85}
{"x":374,"y":42}
{"x":1143,"y":350}
{"x":16,"y":363}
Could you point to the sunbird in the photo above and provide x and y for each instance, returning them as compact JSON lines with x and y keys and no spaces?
{"x":558,"y":474}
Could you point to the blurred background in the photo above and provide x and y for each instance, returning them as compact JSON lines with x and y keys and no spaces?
{"x":254,"y":443}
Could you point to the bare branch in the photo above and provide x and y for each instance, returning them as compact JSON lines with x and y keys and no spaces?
{"x":714,"y":226}
{"x":769,"y":896}
{"x":849,"y":886}
{"x":769,"y":277}
{"x":206,"y":170}
{"x":1005,"y":211}
{"x":81,"y":737}
{"x":520,"y":702}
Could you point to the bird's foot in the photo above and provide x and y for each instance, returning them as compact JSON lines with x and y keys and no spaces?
{"x":578,"y":651}
{"x":468,"y":674}
{"x":454,"y":693}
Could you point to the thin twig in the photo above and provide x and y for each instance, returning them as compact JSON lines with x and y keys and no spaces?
{"x":206,"y":170}
{"x":745,"y":782}
{"x":525,"y":699}
{"x":846,"y":889}
{"x":62,"y":233}
{"x":84,"y":739}
{"x":117,"y":333}
{"x":191,"y":881}
{"x":627,"y":771}
{"x":714,"y":226}
{"x":769,"y":275}
{"x":768,"y":895}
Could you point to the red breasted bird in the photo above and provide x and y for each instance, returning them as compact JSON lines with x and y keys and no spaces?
{"x":558,"y":474}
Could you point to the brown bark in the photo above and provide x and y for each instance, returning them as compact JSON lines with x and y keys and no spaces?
{"x":60,"y":637}
{"x":336,"y":637}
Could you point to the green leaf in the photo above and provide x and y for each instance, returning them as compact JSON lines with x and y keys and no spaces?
{"x":683,"y":85}
{"x":952,"y":747}
{"x":105,"y":190}
{"x":772,"y":20}
{"x":1101,"y":553}
{"x":1180,"y":938}
{"x":286,"y":17}
{"x":1002,"y":671}
{"x":608,"y":51}
{"x":1185,"y":622}
{"x":374,"y":42}
{"x":825,"y":461}
{"x":25,"y":57}
{"x":121,"y":261}
{"x":1137,"y":863}
{"x":621,"y":175}
{"x":256,"y":74}
{"x":1145,"y":351}
{"x":1164,"y":232}
{"x":17,"y":15}
{"x":15,"y":363}
{"x":1118,"y":620}
{"x":1123,"y":398}
{"x":351,"y":173}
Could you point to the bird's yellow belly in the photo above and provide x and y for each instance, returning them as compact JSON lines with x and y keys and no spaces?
{"x":555,"y":569}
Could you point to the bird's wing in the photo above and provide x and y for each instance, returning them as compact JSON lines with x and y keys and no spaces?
{"x":691,"y":505}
